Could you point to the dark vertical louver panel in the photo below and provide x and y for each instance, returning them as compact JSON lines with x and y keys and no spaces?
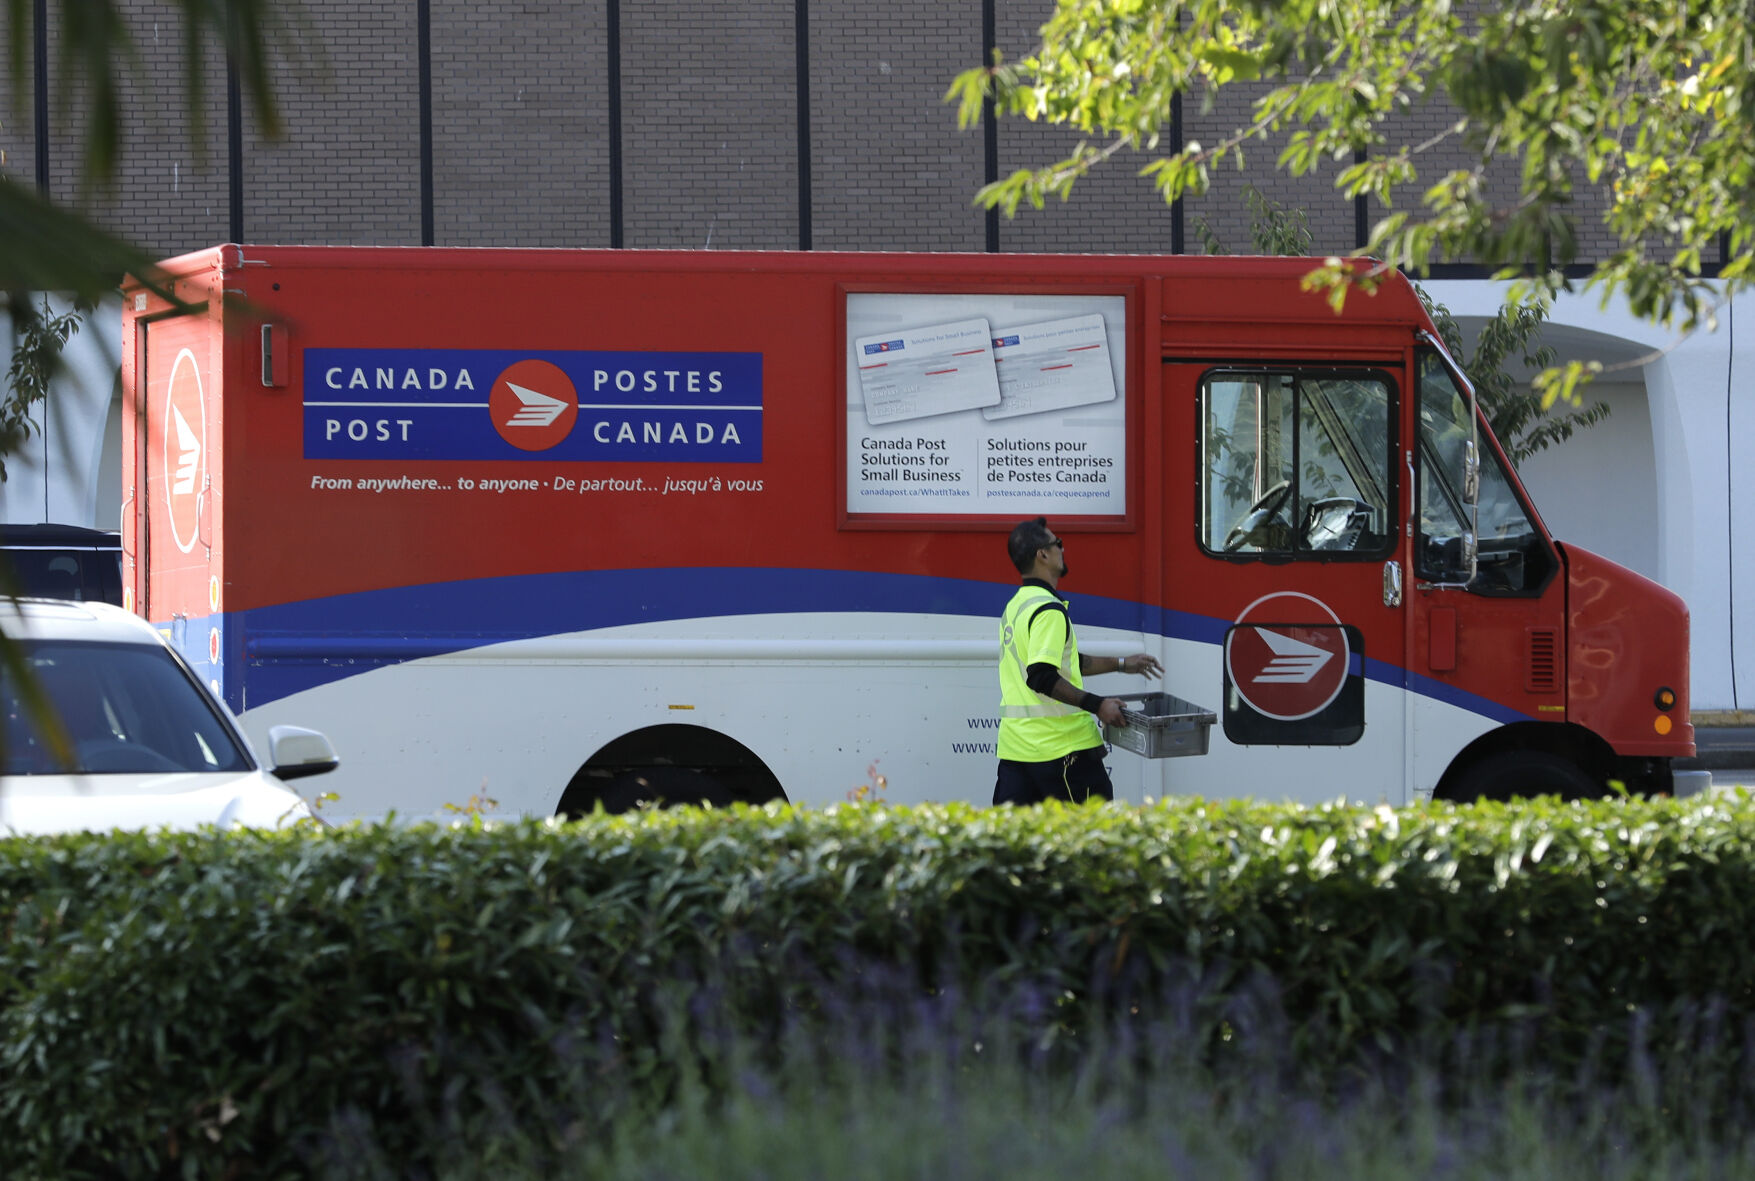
{"x":1543,"y":673}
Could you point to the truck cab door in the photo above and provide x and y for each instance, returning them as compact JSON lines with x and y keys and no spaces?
{"x":1488,"y":629}
{"x":1294,"y":563}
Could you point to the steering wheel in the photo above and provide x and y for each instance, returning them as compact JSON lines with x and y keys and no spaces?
{"x":109,"y":757}
{"x":1265,"y":511}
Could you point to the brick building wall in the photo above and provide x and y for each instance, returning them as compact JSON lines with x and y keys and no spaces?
{"x":709,"y":125}
{"x":520,"y":123}
{"x":711,"y":157}
{"x":1224,"y":209}
{"x":1113,"y":210}
{"x":890,"y":170}
{"x":170,"y":187}
{"x":347,"y":171}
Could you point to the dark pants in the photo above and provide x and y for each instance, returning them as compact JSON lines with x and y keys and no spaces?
{"x":1073,"y":779}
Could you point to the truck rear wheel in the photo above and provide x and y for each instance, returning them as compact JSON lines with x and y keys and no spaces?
{"x":669,"y":766}
{"x":1524,"y":774}
{"x":662,"y":787}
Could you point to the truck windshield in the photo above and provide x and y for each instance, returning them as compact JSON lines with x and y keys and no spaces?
{"x":1513,"y":557}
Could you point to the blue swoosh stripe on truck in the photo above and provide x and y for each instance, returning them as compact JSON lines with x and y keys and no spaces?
{"x":292,"y":647}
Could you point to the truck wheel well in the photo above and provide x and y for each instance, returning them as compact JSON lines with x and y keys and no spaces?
{"x":666,"y":765}
{"x":1576,"y":744}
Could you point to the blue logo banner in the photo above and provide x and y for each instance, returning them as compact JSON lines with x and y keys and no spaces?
{"x":465,"y":404}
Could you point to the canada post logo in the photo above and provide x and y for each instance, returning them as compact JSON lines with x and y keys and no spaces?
{"x":465,"y":404}
{"x":183,"y":450}
{"x":533,"y":405}
{"x":1287,"y":656}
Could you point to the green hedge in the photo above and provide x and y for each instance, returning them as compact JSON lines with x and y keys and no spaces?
{"x":193,"y":1004}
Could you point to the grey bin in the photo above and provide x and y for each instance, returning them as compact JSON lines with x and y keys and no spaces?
{"x":1161,"y":726}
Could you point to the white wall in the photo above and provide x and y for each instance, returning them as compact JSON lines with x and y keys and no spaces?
{"x":1738,"y":425}
{"x":70,"y":473}
{"x":1598,"y":489}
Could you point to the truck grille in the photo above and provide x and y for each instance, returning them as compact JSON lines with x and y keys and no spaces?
{"x":1543,"y":673}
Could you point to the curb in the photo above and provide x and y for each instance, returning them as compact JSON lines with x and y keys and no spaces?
{"x":1725,"y":747}
{"x":1714,"y":718}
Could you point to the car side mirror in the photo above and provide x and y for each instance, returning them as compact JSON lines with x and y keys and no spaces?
{"x":296,"y":752}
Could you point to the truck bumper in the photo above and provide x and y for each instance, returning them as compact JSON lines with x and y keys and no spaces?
{"x":1689,"y":781}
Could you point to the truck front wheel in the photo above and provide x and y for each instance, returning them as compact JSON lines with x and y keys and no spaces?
{"x":1522,"y":774}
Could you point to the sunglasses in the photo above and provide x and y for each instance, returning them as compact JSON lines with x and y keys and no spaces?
{"x":1057,"y":543}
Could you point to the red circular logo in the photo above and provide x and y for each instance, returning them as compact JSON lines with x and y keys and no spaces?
{"x":533,"y":405}
{"x":184,"y":451}
{"x":1287,"y":656}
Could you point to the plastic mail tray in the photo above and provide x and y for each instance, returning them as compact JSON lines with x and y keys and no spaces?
{"x":1161,"y":726}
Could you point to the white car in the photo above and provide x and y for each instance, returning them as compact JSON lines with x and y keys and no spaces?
{"x":147,"y":745}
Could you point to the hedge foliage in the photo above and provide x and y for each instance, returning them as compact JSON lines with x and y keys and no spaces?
{"x":231,"y":1004}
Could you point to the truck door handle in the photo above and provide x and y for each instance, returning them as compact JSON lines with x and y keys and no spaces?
{"x":1392,"y":584}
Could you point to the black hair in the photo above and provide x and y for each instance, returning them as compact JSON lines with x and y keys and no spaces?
{"x":1027,"y":537}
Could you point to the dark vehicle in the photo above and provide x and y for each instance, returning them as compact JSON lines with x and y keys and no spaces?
{"x":63,"y":562}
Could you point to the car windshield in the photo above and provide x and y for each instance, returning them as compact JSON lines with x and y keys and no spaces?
{"x":126,"y":709}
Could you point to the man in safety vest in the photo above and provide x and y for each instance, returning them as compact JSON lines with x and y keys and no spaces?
{"x":1050,"y":744}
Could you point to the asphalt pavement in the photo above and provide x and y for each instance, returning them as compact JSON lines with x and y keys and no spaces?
{"x":1728,"y":752}
{"x":1724,"y":746}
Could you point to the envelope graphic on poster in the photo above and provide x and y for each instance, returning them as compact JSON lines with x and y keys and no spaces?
{"x":918,"y":372}
{"x":1052,"y":366}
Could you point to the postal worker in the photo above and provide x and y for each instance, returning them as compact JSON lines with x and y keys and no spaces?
{"x":1050,"y":743}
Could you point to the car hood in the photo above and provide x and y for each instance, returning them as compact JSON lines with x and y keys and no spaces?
{"x":44,"y":804}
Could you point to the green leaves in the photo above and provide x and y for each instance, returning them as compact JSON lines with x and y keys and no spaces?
{"x":41,"y":335}
{"x":1525,"y":421}
{"x":220,"y":998}
{"x":1648,"y":105}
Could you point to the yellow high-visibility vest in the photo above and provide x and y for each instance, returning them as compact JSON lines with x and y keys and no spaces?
{"x":1034,"y":728}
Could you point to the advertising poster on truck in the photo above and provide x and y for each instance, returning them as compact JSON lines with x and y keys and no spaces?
{"x":987,"y":404}
{"x":554,"y":530}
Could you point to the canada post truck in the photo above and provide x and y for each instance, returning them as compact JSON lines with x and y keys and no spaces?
{"x":538,"y":531}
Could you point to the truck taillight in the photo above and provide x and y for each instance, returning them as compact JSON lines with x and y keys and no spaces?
{"x":1664,"y":699}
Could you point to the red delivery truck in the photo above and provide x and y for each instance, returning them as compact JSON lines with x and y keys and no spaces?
{"x":560,"y":529}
